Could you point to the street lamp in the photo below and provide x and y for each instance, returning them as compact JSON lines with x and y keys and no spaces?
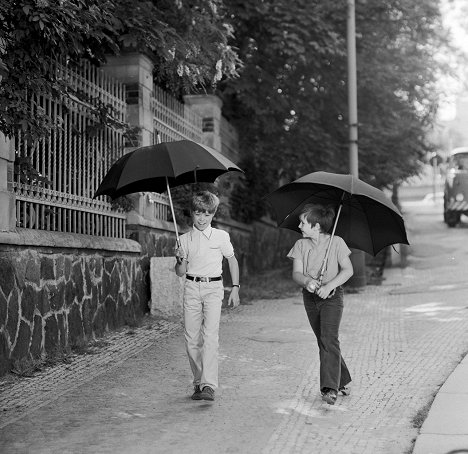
{"x":357,"y":257}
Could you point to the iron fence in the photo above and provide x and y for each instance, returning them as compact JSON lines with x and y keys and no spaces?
{"x":67,"y":166}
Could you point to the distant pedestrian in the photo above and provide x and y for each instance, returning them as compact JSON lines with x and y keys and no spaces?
{"x":199,"y":258}
{"x":323,"y":299}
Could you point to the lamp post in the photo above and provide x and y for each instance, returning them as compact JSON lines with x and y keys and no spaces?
{"x":357,"y":257}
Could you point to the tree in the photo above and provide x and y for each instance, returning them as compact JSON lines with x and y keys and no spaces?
{"x":188,"y":42}
{"x":291,"y":98}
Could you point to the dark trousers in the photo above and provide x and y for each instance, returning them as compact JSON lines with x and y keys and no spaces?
{"x":324,"y":317}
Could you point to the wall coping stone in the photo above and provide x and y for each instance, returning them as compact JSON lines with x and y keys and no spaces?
{"x":62,"y":240}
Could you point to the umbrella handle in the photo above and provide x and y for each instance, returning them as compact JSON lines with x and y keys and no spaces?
{"x":172,"y":211}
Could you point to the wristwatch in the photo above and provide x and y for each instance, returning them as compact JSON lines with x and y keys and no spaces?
{"x":236,"y":285}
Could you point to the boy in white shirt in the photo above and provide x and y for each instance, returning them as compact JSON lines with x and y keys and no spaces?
{"x":200,"y":258}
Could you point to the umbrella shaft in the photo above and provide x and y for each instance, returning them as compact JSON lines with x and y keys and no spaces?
{"x":172,"y":211}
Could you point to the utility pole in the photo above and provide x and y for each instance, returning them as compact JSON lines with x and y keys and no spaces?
{"x":358,"y":259}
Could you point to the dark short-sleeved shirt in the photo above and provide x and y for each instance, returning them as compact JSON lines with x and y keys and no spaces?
{"x":312,"y":254}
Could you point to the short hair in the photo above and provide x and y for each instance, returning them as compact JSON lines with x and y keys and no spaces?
{"x":205,"y":201}
{"x":323,"y":214}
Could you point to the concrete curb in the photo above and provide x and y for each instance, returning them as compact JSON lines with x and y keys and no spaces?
{"x":445,"y":429}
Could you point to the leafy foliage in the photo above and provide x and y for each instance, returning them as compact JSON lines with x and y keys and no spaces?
{"x":291,"y":100}
{"x":187,"y":41}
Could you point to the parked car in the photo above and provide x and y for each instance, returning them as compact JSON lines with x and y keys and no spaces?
{"x":456,"y":186}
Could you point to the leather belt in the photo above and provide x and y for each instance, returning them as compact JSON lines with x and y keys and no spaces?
{"x":203,"y":279}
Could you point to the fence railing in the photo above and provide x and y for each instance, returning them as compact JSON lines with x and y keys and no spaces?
{"x":159,"y":206}
{"x":70,"y":163}
{"x":73,"y":159}
{"x":174,"y":120}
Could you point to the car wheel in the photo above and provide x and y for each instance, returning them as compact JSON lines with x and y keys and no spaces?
{"x":452,"y":218}
{"x":445,"y":209}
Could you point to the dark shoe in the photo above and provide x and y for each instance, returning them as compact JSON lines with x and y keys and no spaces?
{"x":207,"y":393}
{"x":345,"y":390}
{"x":196,"y":393}
{"x":329,"y":396}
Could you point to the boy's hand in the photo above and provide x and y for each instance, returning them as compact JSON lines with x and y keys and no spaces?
{"x":324,"y":291}
{"x":180,"y":254}
{"x":234,"y":299}
{"x":312,"y":286}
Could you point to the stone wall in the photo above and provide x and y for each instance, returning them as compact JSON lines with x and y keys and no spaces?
{"x":60,"y":289}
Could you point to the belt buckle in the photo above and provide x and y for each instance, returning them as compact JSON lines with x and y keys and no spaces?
{"x":204,"y":279}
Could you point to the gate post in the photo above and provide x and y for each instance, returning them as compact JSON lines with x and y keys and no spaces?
{"x":135,"y":70}
{"x":7,"y":197}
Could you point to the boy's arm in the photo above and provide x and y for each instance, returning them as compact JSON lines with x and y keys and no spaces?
{"x":346,"y":271}
{"x":234,"y":270}
{"x":299,"y":278}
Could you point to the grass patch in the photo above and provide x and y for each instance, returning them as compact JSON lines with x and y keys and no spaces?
{"x":418,"y":419}
{"x":27,"y":367}
{"x":80,"y":347}
{"x":60,"y":355}
{"x":83,"y":347}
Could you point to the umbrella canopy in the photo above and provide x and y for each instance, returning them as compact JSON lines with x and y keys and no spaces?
{"x":368,"y":220}
{"x":154,"y":167}
{"x":157,"y":168}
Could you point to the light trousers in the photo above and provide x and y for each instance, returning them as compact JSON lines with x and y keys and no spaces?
{"x":202,"y":312}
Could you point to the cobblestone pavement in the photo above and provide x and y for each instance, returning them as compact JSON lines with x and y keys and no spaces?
{"x":401,"y":341}
{"x":19,"y":397}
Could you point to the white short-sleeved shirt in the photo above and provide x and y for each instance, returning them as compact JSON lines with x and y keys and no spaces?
{"x":312,"y":254}
{"x":205,"y":249}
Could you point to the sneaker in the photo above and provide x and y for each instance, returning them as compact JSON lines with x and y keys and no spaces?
{"x":196,"y":393}
{"x":329,"y":396}
{"x":345,"y":390}
{"x":207,"y":393}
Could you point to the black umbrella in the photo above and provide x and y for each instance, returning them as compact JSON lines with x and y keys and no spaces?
{"x":366,"y":218}
{"x":157,"y":168}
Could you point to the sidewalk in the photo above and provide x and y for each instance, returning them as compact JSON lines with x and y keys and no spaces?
{"x":402,"y":341}
{"x":446,"y":427}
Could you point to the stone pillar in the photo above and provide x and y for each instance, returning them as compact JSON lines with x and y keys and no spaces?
{"x":7,"y":197}
{"x":136,"y":72}
{"x":209,"y":108}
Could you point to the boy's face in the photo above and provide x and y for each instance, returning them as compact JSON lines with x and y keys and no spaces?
{"x":307,"y":230}
{"x":202,"y":219}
